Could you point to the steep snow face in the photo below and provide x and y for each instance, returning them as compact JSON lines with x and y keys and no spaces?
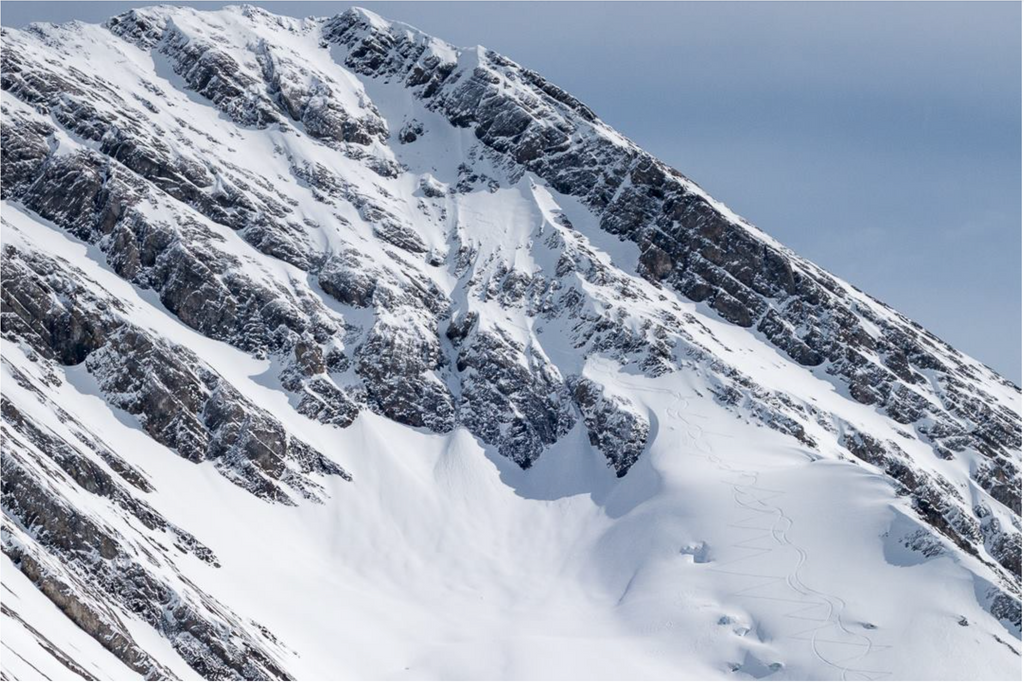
{"x":332,"y":350}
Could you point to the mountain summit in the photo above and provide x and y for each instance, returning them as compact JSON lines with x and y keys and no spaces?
{"x":333,"y":350}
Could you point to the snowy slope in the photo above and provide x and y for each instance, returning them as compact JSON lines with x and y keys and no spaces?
{"x":331,"y":350}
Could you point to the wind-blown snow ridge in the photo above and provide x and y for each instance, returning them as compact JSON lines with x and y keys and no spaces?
{"x":322,"y":334}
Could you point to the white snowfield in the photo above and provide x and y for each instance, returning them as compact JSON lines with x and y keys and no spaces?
{"x":729,"y":550}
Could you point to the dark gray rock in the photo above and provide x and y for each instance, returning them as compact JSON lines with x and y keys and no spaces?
{"x":614,"y":427}
{"x":521,"y":408}
{"x":73,"y":558}
{"x":179,"y":401}
{"x":399,"y":363}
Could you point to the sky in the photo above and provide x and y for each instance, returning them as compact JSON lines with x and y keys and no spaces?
{"x":881,"y":141}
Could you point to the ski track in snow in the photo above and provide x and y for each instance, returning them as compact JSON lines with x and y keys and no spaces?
{"x":745,"y":496}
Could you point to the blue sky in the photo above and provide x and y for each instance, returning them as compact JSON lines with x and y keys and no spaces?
{"x":880,"y":140}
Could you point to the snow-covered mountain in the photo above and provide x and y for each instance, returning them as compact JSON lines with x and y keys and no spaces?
{"x":331,"y":350}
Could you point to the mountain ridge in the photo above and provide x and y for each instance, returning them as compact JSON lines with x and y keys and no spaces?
{"x":372,"y":222}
